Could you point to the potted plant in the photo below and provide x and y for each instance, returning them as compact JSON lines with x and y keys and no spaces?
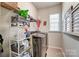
{"x":23,"y":13}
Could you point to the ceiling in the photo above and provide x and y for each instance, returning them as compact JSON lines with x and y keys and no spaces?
{"x":44,"y":4}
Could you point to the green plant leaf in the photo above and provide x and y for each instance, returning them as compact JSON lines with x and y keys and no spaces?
{"x":23,"y":13}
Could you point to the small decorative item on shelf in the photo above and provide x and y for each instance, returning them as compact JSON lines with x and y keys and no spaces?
{"x":14,"y":20}
{"x":23,"y":13}
{"x":26,"y":54}
{"x":27,"y":31}
{"x":26,"y":28}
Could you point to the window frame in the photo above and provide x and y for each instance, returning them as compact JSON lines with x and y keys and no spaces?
{"x":58,"y":23}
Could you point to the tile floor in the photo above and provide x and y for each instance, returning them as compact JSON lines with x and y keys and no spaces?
{"x":54,"y":52}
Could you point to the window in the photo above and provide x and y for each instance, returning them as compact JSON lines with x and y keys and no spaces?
{"x":54,"y":22}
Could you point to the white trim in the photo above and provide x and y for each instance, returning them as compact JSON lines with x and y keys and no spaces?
{"x":57,"y":47}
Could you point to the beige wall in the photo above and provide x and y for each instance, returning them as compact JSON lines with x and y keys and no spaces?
{"x":43,"y":14}
{"x":0,"y":9}
{"x":71,"y":43}
{"x":54,"y":38}
{"x":5,"y":27}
